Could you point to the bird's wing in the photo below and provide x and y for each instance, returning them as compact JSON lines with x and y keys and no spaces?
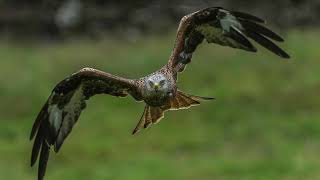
{"x":223,"y":27}
{"x":63,"y":108}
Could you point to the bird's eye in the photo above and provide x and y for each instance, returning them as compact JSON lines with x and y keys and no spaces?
{"x":162,"y":82}
{"x":151,"y":83}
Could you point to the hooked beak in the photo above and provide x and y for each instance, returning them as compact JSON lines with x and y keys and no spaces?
{"x":156,"y":86}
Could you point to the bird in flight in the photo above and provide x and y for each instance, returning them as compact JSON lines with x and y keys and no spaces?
{"x":158,"y":90}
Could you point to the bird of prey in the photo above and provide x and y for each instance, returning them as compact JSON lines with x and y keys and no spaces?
{"x":158,"y":90}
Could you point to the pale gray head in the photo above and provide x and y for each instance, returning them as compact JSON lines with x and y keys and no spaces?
{"x":158,"y":84}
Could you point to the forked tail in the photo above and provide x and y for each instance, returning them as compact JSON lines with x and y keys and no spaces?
{"x":152,"y":115}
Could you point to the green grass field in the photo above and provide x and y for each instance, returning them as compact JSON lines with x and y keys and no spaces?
{"x":264,"y":123}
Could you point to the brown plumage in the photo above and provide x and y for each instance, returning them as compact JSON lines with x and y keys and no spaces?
{"x":223,"y":27}
{"x":153,"y":115}
{"x":158,"y":90}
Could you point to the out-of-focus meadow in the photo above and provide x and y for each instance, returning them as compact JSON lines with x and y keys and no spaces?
{"x":264,"y":123}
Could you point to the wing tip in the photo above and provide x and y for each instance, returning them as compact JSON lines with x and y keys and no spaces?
{"x":253,"y":26}
{"x":248,"y":16}
{"x":268,"y":44}
{"x":252,"y":49}
{"x":281,"y":53}
{"x":57,"y":146}
{"x":36,"y":147}
{"x":280,"y":39}
{"x":285,"y":55}
{"x":33,"y":160}
{"x":44,"y":156}
{"x":31,"y":136}
{"x":208,"y":98}
{"x":134,"y":132}
{"x":40,"y":117}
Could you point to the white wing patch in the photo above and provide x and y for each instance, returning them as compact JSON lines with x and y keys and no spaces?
{"x":62,"y":120}
{"x":75,"y":102}
{"x":72,"y":109}
{"x":229,"y":20}
{"x":55,"y":117}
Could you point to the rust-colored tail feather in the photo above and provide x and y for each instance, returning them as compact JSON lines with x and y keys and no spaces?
{"x":152,"y":115}
{"x":184,"y":101}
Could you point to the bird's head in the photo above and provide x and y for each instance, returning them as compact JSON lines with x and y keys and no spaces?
{"x":157,"y":84}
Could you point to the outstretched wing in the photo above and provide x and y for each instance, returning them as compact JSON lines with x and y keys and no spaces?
{"x":63,"y":108}
{"x":220,"y":26}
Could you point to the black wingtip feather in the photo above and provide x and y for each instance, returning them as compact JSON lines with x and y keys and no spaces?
{"x":57,"y":147}
{"x":208,"y":98}
{"x":58,"y":142}
{"x":42,"y":115}
{"x":36,"y":148}
{"x":238,"y":36}
{"x":261,"y":30}
{"x":267,"y":44}
{"x":134,"y":131}
{"x":44,"y":156}
{"x":247,"y":16}
{"x":33,"y":131}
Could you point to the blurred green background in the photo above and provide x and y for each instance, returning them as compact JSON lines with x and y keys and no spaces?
{"x":264,"y":123}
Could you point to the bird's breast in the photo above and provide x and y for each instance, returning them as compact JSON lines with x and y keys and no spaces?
{"x":159,"y":99}
{"x":156,"y":100}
